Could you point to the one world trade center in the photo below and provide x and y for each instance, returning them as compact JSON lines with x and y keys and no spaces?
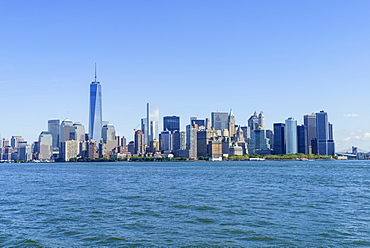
{"x":95,"y":117}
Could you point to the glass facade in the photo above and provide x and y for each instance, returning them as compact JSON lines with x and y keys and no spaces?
{"x":171,"y":123}
{"x":95,"y":117}
{"x":291,"y":139}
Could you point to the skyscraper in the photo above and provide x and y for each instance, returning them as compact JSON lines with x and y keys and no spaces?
{"x":151,"y":127}
{"x":53,"y":129}
{"x":324,"y":132}
{"x":302,"y":139}
{"x":65,"y":130}
{"x":291,"y":139}
{"x":220,"y":120}
{"x":77,"y":132}
{"x":279,"y":138}
{"x":95,"y":117}
{"x":310,"y":122}
{"x":45,"y":150}
{"x":231,"y":124}
{"x":171,"y":123}
{"x":108,"y":132}
{"x":139,"y":147}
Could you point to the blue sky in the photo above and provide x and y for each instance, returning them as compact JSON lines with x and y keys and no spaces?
{"x":285,"y":58}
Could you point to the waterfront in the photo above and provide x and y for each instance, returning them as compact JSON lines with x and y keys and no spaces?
{"x":246,"y":203}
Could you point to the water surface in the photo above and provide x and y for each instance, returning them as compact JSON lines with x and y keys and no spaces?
{"x":259,"y":203}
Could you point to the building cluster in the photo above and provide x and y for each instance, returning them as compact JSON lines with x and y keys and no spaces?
{"x":219,"y":137}
{"x":216,"y":137}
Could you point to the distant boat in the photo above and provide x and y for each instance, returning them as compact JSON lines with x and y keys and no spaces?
{"x":256,"y":159}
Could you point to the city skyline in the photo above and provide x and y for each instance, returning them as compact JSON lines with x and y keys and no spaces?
{"x":285,"y":59}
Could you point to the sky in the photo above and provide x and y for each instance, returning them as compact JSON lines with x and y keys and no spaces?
{"x":285,"y":58}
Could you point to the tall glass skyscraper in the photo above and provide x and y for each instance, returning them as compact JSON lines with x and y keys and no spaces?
{"x":291,"y":140}
{"x":324,"y":132}
{"x":171,"y":123}
{"x":53,"y":128}
{"x":95,"y":117}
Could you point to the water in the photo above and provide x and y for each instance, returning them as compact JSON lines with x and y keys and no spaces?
{"x":263,"y":203}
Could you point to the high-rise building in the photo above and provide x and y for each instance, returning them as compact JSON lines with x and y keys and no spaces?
{"x":324,"y":132}
{"x":259,"y":143}
{"x":45,"y":146}
{"x":231,"y":124}
{"x":151,"y":127}
{"x":70,"y":149}
{"x":197,"y":121}
{"x":65,"y":130}
{"x":15,"y":140}
{"x":25,"y":153}
{"x":302,"y":139}
{"x":310,"y":122}
{"x":178,"y":140}
{"x":279,"y":138}
{"x":165,"y":141}
{"x":291,"y":145}
{"x":191,"y":140}
{"x":261,"y":120}
{"x":139,"y":143}
{"x":220,"y":120}
{"x":253,"y":122}
{"x":171,"y":123}
{"x":77,"y":132}
{"x":108,"y":132}
{"x":53,"y":129}
{"x":109,"y":136}
{"x":95,"y":117}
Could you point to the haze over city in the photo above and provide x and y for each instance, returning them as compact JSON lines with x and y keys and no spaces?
{"x":286,"y":59}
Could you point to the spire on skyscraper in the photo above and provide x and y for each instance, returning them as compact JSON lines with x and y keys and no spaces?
{"x":95,"y":72}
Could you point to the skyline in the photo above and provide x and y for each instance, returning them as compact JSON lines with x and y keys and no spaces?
{"x":286,"y":59}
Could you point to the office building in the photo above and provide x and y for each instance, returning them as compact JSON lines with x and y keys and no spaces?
{"x":231,"y":124}
{"x":165,"y":141}
{"x":256,"y":121}
{"x":151,"y":128}
{"x":45,"y":146}
{"x":191,"y":140}
{"x":65,"y":130}
{"x":15,"y":140}
{"x":197,"y":121}
{"x":302,"y":139}
{"x":53,"y":129}
{"x":108,"y":132}
{"x":171,"y":123}
{"x":139,"y":143}
{"x":291,"y":145}
{"x":279,"y":138}
{"x":70,"y":149}
{"x":77,"y":132}
{"x":259,"y":143}
{"x":25,"y":153}
{"x":324,"y":133}
{"x":310,"y":122}
{"x":95,"y":113}
{"x":220,"y":120}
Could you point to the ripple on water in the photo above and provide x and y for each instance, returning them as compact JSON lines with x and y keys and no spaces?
{"x":205,"y":208}
{"x":205,"y":220}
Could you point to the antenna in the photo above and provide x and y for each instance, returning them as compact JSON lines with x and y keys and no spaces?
{"x":95,"y":72}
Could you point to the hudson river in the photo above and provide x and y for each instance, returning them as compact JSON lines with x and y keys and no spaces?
{"x":262,"y":203}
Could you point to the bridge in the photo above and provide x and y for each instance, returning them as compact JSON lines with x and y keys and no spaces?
{"x":354,"y":153}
